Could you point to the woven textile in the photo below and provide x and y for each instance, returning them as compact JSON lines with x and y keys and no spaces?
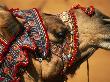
{"x":14,"y":53}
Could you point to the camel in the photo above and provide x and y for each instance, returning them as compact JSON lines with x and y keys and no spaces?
{"x":93,"y":32}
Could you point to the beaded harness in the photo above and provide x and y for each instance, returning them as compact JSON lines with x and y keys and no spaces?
{"x":71,"y":44}
{"x":14,"y":54}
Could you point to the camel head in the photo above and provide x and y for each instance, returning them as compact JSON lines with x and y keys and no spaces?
{"x":93,"y":33}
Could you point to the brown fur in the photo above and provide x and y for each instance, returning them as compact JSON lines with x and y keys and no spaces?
{"x":94,"y":33}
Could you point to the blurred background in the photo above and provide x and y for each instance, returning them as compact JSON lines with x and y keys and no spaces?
{"x":100,"y":61}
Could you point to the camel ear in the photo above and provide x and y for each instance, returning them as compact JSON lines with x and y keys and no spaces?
{"x":3,"y":6}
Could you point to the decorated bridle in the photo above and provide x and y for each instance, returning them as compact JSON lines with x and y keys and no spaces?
{"x":68,"y":51}
{"x":70,"y":46}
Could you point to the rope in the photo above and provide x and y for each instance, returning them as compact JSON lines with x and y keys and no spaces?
{"x":88,"y":71}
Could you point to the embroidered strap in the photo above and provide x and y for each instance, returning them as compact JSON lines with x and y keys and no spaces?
{"x":70,"y":47}
{"x":32,"y":22}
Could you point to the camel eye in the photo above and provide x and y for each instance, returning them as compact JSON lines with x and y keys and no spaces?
{"x":60,"y":34}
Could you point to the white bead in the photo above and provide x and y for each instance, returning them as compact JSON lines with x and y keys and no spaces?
{"x":72,"y":32}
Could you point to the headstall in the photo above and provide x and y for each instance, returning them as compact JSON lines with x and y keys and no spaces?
{"x":71,"y":44}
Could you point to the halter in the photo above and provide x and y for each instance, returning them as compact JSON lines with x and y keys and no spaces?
{"x":14,"y":53}
{"x":71,"y":44}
